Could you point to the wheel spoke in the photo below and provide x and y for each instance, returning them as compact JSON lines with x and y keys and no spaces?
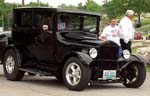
{"x":132,"y":74}
{"x":75,"y":80}
{"x":69,"y":75}
{"x":78,"y":76}
{"x":10,"y":64}
{"x":73,"y":74}
{"x":78,"y":68}
{"x":73,"y":68}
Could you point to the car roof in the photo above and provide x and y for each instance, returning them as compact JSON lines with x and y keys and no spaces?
{"x":62,"y":10}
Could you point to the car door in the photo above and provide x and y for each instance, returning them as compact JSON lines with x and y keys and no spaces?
{"x":22,"y":27}
{"x":43,"y":40}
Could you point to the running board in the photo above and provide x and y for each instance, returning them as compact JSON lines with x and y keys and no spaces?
{"x":36,"y":71}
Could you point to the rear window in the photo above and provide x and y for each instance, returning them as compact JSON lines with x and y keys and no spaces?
{"x":23,"y":19}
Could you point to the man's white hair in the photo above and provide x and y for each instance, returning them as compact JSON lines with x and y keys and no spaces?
{"x":129,"y":13}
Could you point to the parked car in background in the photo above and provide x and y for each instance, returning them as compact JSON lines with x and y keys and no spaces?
{"x":5,"y":37}
{"x":138,"y":36}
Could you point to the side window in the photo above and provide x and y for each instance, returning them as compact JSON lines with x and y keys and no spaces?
{"x":43,"y":19}
{"x":24,"y":19}
{"x":68,"y":22}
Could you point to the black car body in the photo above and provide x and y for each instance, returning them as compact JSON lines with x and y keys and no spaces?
{"x":60,"y":42}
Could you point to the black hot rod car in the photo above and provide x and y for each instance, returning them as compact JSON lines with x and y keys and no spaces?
{"x":64,"y":43}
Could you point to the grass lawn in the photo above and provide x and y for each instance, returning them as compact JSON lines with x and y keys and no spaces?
{"x":138,"y":41}
{"x":148,"y":68}
{"x":145,"y":22}
{"x":145,"y":25}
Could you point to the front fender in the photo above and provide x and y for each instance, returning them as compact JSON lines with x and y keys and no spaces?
{"x":138,"y":58}
{"x":84,"y":58}
{"x":134,"y":58}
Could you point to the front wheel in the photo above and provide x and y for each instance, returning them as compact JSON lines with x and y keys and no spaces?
{"x":12,"y":60}
{"x":135,"y":75}
{"x":76,"y":75}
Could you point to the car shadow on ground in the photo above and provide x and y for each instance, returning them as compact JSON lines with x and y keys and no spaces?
{"x":54,"y":83}
{"x":57,"y":84}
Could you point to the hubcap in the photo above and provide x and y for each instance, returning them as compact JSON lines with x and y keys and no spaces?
{"x":73,"y":74}
{"x":10,"y":64}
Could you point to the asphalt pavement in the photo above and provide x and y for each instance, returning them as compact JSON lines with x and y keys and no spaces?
{"x":49,"y":86}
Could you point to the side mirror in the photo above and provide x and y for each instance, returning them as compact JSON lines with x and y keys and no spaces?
{"x":45,"y":27}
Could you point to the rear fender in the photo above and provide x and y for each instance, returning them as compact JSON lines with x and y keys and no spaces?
{"x":8,"y":47}
{"x":15,"y":49}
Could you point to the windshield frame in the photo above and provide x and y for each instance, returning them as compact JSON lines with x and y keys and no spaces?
{"x":81,"y":22}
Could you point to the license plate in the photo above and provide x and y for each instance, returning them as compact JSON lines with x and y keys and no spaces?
{"x":109,"y":74}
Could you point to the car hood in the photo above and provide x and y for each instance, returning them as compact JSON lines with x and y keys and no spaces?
{"x":79,"y":35}
{"x":81,"y":39}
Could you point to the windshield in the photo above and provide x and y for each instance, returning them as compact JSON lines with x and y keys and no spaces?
{"x":74,"y":22}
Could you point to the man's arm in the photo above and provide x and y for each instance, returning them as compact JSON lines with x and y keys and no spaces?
{"x":124,"y":29}
{"x":103,"y":35}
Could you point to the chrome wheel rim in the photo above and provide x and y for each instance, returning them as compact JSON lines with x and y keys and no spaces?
{"x":73,"y":74}
{"x":10,"y":64}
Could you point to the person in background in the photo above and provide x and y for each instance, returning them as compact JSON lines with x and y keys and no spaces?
{"x":127,"y":30}
{"x":65,"y":20}
{"x":111,"y":32}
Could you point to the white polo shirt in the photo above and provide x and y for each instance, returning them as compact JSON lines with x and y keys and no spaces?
{"x":111,"y":33}
{"x":126,"y":28}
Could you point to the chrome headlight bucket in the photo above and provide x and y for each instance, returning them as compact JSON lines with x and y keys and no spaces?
{"x":93,"y":53}
{"x":126,"y":54}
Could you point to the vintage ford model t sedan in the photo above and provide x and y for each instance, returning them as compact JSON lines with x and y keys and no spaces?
{"x":64,"y":43}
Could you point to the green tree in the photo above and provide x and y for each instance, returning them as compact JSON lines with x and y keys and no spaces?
{"x":139,"y":6}
{"x":37,"y":4}
{"x":7,"y":12}
{"x":91,"y":5}
{"x":1,"y":12}
{"x":81,"y":6}
{"x":67,"y":6}
{"x":115,"y":8}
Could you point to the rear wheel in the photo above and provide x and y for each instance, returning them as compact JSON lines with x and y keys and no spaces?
{"x":135,"y":75}
{"x":76,"y":75}
{"x":11,"y":62}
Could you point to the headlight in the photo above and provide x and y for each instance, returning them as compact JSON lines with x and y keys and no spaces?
{"x":93,"y":53}
{"x":126,"y":54}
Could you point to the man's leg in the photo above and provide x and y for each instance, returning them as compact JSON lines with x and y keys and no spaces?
{"x":129,"y":46}
{"x":125,"y":46}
